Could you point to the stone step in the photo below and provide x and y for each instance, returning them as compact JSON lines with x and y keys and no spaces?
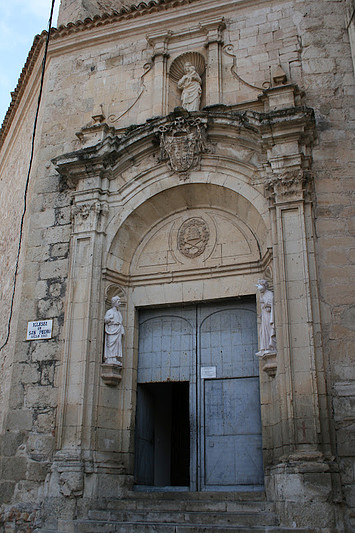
{"x":89,"y":526}
{"x":196,"y":496}
{"x":147,"y":516}
{"x":188,"y":505}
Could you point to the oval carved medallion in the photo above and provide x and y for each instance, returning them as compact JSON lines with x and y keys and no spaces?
{"x":193,"y":237}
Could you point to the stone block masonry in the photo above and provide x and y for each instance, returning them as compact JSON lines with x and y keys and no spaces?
{"x":277,"y":172}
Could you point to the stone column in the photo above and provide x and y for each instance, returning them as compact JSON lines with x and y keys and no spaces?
{"x":79,"y":365}
{"x":302,"y":464}
{"x":159,"y":42}
{"x":214,"y":42}
{"x":82,"y":357}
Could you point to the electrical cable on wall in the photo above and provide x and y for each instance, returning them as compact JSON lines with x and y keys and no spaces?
{"x":28,"y":177}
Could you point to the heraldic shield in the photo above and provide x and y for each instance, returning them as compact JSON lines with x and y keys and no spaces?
{"x":181,"y":151}
{"x":182,"y":142}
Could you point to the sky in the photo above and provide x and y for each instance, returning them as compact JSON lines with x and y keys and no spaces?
{"x":20,"y":21}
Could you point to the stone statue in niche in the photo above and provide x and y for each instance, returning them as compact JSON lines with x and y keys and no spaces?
{"x":113,"y":334}
{"x":190,"y":84}
{"x":267,"y":334}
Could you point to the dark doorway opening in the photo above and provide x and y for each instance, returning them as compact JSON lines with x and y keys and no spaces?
{"x":163,"y":435}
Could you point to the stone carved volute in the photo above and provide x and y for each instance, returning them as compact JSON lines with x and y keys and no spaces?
{"x":181,"y":144}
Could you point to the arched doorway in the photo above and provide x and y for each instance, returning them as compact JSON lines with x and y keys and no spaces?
{"x":198,"y":419}
{"x":192,"y":255}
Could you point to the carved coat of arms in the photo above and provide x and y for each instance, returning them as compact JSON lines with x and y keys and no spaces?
{"x":181,"y":143}
{"x":193,"y":237}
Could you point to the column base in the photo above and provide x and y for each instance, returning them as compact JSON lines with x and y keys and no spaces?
{"x":306,"y":491}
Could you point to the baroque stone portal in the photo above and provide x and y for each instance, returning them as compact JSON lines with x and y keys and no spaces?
{"x":113,"y":334}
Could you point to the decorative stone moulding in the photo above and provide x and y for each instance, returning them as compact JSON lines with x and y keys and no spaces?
{"x":269,"y":364}
{"x":91,"y":135}
{"x":182,"y":139}
{"x":177,"y":68}
{"x":279,"y":77}
{"x":111,"y":374}
{"x":288,"y":184}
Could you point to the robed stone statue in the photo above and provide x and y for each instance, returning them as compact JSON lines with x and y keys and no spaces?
{"x":267,"y":333}
{"x":113,"y":334}
{"x":190,"y":84}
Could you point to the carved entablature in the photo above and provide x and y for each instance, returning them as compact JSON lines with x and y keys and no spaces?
{"x":287,"y":185}
{"x":276,"y":144}
{"x":182,"y":142}
{"x":88,"y":216}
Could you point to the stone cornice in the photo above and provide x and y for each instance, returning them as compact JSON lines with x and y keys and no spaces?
{"x":17,"y":94}
{"x":262,"y":129}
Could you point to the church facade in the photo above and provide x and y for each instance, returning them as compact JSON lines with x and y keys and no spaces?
{"x":182,"y":323}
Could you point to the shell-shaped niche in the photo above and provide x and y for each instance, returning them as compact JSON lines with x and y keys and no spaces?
{"x":114,"y":290}
{"x":177,"y":71}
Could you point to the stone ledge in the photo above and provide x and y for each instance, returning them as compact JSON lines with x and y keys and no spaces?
{"x":111,"y":375}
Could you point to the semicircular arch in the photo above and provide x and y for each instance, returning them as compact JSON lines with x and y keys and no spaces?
{"x":226,"y":211}
{"x":216,"y":171}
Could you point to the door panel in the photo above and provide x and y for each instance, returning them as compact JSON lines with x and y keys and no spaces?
{"x":228,"y":340}
{"x":174,"y":345}
{"x":232,"y":433}
{"x":144,"y":457}
{"x":166,"y":345}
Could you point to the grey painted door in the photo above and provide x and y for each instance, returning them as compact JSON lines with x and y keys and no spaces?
{"x":213,"y":348}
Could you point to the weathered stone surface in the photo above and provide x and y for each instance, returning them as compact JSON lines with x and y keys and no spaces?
{"x":273,"y":184}
{"x":6,"y":491}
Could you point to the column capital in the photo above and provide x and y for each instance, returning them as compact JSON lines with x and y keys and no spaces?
{"x":287,"y":185}
{"x":213,"y":29}
{"x":88,"y":215}
{"x":159,"y":42}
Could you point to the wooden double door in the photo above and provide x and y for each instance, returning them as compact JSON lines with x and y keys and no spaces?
{"x":198,"y":422}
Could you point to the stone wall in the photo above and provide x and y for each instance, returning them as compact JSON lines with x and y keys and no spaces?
{"x":107,"y":66}
{"x":14,"y":164}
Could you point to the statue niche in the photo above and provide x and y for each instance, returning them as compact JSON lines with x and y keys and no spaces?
{"x":186,"y":76}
